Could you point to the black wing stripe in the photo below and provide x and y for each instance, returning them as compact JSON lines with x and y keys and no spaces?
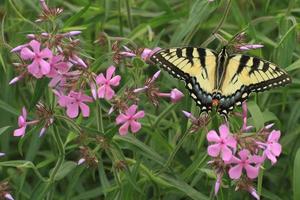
{"x":243,"y":62}
{"x":255,"y":65}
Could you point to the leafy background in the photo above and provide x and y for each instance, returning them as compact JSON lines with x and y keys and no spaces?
{"x":148,"y":23}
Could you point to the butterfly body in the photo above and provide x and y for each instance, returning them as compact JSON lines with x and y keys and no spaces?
{"x":219,"y":79}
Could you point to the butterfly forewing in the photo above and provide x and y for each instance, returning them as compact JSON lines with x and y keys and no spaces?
{"x":196,"y":66}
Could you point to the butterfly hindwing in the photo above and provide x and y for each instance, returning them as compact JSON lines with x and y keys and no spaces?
{"x":195,"y":66}
{"x":246,"y":74}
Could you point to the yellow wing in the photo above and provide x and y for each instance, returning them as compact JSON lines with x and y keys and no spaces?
{"x":245,"y":74}
{"x":195,"y":66}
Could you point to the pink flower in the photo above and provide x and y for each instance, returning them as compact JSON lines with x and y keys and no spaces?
{"x":175,"y":95}
{"x":59,"y":71}
{"x":250,"y":46}
{"x":75,"y":101}
{"x":223,"y":143}
{"x":218,"y":183}
{"x":130,"y":119}
{"x":253,"y":192}
{"x":39,"y":66}
{"x":244,"y":116}
{"x":272,"y":147}
{"x":8,"y":196}
{"x":105,"y":83}
{"x":250,"y":163}
{"x":147,"y":53}
{"x":21,"y":123}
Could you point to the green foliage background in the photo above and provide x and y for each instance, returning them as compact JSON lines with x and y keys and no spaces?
{"x":149,"y":23}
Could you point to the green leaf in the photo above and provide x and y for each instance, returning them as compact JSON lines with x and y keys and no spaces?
{"x":75,"y":17}
{"x":40,"y":88}
{"x":5,"y":106}
{"x":295,"y":65}
{"x":256,"y":114}
{"x":3,"y":129}
{"x":64,"y":170}
{"x":296,"y":176}
{"x":138,"y":63}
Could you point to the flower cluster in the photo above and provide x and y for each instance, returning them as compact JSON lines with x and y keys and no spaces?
{"x":241,"y":155}
{"x":55,"y":56}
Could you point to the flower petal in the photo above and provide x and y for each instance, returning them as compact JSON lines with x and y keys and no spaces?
{"x":46,"y":53}
{"x":35,"y":46}
{"x":226,"y":153}
{"x":34,"y":69}
{"x":84,"y":109}
{"x":135,"y":126}
{"x":115,"y":81}
{"x":224,"y":131}
{"x":72,"y":110}
{"x":100,"y":79}
{"x":101,"y":91}
{"x":230,"y":141}
{"x":109,"y":72}
{"x":274,"y":136}
{"x":20,"y":131}
{"x":121,"y":119}
{"x":244,"y":154}
{"x":214,"y":150}
{"x":109,"y":92}
{"x":123,"y":130}
{"x":139,"y":114}
{"x":45,"y":67}
{"x":131,"y":110}
{"x":212,"y":136}
{"x":275,"y":149}
{"x":252,"y":172}
{"x":235,"y":172}
{"x":27,"y":54}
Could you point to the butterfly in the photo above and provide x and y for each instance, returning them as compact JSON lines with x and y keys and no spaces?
{"x":220,"y":79}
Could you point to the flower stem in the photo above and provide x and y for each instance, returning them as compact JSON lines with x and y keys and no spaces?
{"x":216,"y":30}
{"x":260,"y":180}
{"x":99,"y":118}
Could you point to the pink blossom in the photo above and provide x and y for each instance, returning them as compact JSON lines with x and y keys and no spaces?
{"x":80,"y":161}
{"x":75,"y":101}
{"x":223,"y":144}
{"x":19,"y":48}
{"x":106,"y":82}
{"x":78,"y":61}
{"x":253,"y":192}
{"x":39,"y":66}
{"x":127,"y":53}
{"x":250,"y":163}
{"x":130,"y":119}
{"x":21,"y":123}
{"x":175,"y":95}
{"x":154,"y":77}
{"x":250,"y":46}
{"x":218,"y":183}
{"x":16,"y":79}
{"x":272,"y":147}
{"x":147,"y":53}
{"x":8,"y":196}
{"x":244,"y":116}
{"x":59,"y":71}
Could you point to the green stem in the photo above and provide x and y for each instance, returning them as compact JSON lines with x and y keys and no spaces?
{"x":99,"y":117}
{"x":120,"y":18}
{"x":260,"y":180}
{"x":216,"y":30}
{"x":75,"y":126}
{"x":129,"y":14}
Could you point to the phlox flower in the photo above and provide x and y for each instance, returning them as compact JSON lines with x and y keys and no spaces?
{"x":59,"y":71}
{"x":129,"y":118}
{"x":272,"y":148}
{"x":106,"y":82}
{"x":245,"y":161}
{"x":74,"y":102}
{"x":40,"y":65}
{"x":223,"y":144}
{"x":21,"y":123}
{"x":175,"y":95}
